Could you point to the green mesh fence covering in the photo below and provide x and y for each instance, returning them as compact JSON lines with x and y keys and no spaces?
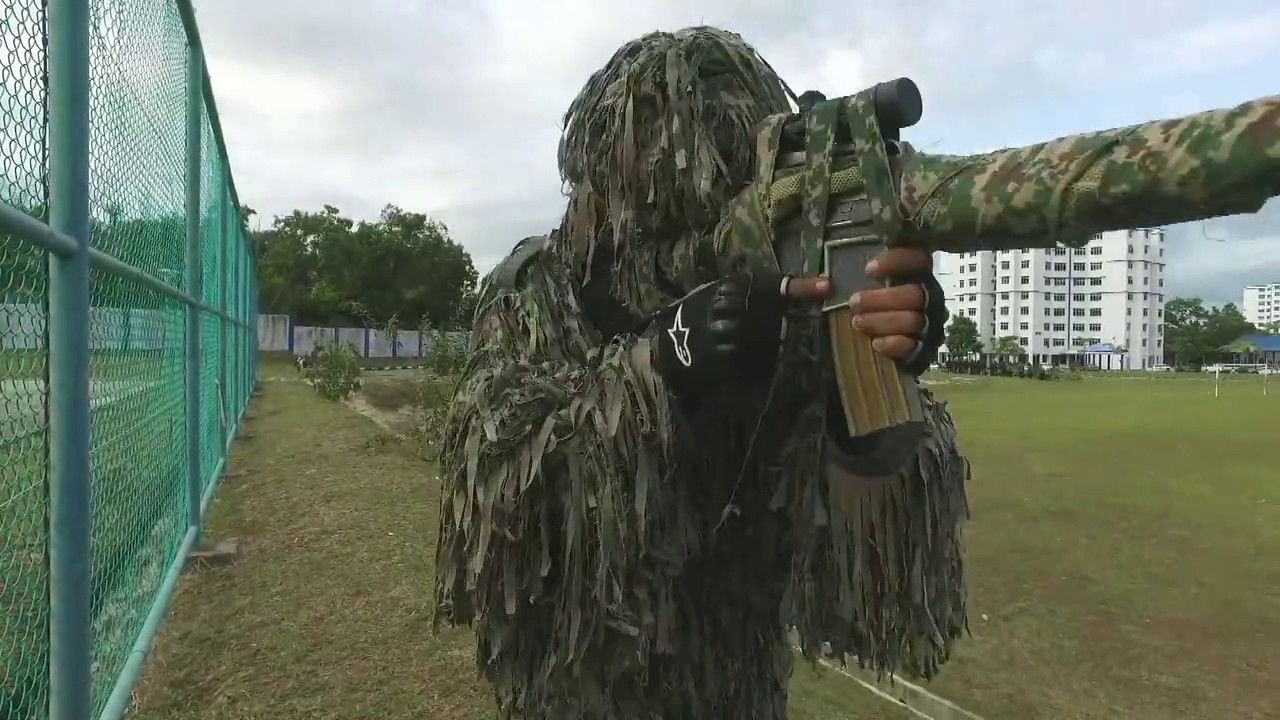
{"x":157,"y":281}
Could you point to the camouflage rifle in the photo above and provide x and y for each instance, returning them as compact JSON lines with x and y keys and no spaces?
{"x":835,"y":185}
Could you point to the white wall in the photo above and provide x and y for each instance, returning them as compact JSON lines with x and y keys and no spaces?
{"x":275,"y":333}
{"x":22,"y":327}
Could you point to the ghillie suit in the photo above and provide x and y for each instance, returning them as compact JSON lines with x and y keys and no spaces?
{"x":626,"y":553}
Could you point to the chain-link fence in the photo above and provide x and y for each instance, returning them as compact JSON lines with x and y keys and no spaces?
{"x":127,"y":351}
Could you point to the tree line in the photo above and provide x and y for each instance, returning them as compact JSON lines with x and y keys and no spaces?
{"x":1194,"y":334}
{"x":324,"y":268}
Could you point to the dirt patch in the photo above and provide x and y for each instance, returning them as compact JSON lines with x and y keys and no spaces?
{"x":403,"y":422}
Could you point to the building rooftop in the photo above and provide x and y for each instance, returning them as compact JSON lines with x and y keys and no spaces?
{"x":1265,"y":343}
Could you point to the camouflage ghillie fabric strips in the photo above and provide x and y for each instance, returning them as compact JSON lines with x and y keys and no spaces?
{"x":1214,"y":163}
{"x":626,"y":554}
{"x":655,"y":145}
{"x":577,"y":530}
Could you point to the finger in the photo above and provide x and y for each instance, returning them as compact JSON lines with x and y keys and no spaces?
{"x":900,"y":262}
{"x":810,"y":288}
{"x":896,"y":347}
{"x":885,"y":324}
{"x":898,"y":297}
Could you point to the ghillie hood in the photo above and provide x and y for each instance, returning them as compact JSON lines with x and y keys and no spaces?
{"x":654,"y":146}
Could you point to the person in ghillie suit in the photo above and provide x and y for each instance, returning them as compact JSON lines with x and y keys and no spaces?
{"x":632,"y":516}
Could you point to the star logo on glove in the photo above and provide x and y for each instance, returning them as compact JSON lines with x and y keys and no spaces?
{"x":680,"y":338}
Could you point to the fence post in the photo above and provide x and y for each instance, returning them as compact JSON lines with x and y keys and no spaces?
{"x":67,"y":390}
{"x":224,"y":240}
{"x":195,"y":104}
{"x":238,"y":274}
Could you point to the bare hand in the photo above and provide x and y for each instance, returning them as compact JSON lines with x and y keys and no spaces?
{"x":893,"y":316}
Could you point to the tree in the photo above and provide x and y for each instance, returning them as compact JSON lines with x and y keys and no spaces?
{"x":1271,"y":328}
{"x":1225,"y":325}
{"x":1194,"y":333}
{"x":1008,"y":345}
{"x":962,"y":337}
{"x":404,"y":264}
{"x":1183,"y":330}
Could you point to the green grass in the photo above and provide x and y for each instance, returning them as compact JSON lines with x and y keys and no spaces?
{"x":1123,"y":548}
{"x":281,"y":358}
{"x":1122,"y":552}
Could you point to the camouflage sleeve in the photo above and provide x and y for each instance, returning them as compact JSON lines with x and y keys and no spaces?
{"x":555,"y":469}
{"x":1219,"y":162}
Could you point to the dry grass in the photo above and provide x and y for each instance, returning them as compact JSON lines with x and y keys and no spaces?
{"x":326,"y":614}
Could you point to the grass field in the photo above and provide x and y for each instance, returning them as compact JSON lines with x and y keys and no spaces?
{"x":1124,"y":550}
{"x":1122,"y":561}
{"x":327,"y":615}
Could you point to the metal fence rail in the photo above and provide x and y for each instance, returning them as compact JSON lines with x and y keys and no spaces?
{"x":133,"y":352}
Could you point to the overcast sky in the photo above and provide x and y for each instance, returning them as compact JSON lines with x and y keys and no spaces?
{"x":451,"y":107}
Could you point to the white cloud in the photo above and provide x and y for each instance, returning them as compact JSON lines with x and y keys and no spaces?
{"x":453,"y":107}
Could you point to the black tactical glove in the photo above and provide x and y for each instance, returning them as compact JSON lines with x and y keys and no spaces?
{"x":728,"y":330}
{"x":933,"y":334}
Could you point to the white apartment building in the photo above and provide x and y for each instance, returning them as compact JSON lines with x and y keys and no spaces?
{"x":1261,"y":304}
{"x":1057,"y":302}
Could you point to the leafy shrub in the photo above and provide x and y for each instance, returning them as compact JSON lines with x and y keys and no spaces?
{"x":334,"y":371}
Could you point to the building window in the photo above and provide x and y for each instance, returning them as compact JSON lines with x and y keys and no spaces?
{"x":1004,"y":326}
{"x":1025,"y":280}
{"x":1095,"y":266}
{"x":1024,"y":310}
{"x":1079,"y":267}
{"x":1095,"y":327}
{"x":1095,"y":312}
{"x":1024,"y":326}
{"x":1025,"y":264}
{"x":1095,"y":250}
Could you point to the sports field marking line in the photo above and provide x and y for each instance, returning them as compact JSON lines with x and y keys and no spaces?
{"x":934,"y":707}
